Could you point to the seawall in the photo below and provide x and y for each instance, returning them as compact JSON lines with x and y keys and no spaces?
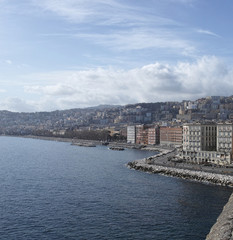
{"x":214,"y":178}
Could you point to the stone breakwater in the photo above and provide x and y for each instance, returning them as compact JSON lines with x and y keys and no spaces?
{"x":214,"y":178}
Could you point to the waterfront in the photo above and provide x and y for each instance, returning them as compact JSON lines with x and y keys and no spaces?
{"x":52,"y":190}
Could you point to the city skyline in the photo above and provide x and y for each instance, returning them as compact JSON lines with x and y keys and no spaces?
{"x":75,"y":53}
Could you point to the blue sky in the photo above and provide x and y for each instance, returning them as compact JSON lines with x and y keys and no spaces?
{"x":62,"y":54}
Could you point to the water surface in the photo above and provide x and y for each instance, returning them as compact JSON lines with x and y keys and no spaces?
{"x":52,"y":190}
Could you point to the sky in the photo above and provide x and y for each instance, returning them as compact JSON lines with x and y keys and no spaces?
{"x":63,"y":54}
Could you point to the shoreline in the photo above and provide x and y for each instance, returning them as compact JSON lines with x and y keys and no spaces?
{"x":158,"y":163}
{"x":194,"y":175}
{"x":75,"y":141}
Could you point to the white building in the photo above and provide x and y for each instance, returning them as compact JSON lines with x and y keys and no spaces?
{"x":131,"y":134}
{"x":192,"y":137}
{"x":208,"y":143}
{"x":192,"y":105}
{"x":224,"y":141}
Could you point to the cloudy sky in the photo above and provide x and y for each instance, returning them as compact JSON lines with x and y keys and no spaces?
{"x":62,"y":54}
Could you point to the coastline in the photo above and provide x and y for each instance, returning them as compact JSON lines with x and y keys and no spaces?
{"x":159,"y":163}
{"x":159,"y":160}
{"x":82,"y":142}
{"x":195,"y":175}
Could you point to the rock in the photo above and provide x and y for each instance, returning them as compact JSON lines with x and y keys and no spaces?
{"x":223,"y":228}
{"x":213,"y":178}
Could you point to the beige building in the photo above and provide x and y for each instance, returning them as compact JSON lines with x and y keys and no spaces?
{"x":208,"y":143}
{"x":224,"y":137}
{"x":192,"y":137}
{"x":225,"y":141}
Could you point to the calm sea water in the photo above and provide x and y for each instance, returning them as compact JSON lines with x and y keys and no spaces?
{"x":52,"y":190}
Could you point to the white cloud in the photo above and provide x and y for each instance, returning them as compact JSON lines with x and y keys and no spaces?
{"x":104,"y":12}
{"x":126,"y":27}
{"x":17,"y":105}
{"x":123,"y":26}
{"x":83,"y":10}
{"x":151,"y":83}
{"x":137,"y":39}
{"x":207,"y":32}
{"x":8,"y":61}
{"x":57,"y":90}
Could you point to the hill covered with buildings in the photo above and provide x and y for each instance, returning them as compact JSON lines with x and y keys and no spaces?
{"x":204,"y":127}
{"x":116,"y":118}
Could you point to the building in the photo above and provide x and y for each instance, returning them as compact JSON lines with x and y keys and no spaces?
{"x":192,"y":137}
{"x":153,"y":135}
{"x":131,"y":134}
{"x":199,"y":142}
{"x":208,"y":137}
{"x":208,"y":143}
{"x":225,"y":141}
{"x":142,"y":134}
{"x":171,"y":136}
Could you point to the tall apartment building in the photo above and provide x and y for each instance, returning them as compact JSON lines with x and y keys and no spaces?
{"x":225,"y":138}
{"x":131,"y":134}
{"x":199,"y":137}
{"x":209,"y":142}
{"x":153,"y":135}
{"x":208,"y":137}
{"x":143,"y":134}
{"x":171,"y":136}
{"x":192,"y":137}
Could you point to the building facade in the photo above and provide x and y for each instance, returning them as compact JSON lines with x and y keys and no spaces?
{"x":153,"y":135}
{"x":143,"y":134}
{"x":171,"y":136}
{"x":131,"y":134}
{"x":208,"y":143}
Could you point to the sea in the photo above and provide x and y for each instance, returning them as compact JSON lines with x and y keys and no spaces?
{"x":53,"y":190}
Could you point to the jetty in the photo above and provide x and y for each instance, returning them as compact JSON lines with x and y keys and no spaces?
{"x":84,"y":144}
{"x":117,"y":148}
